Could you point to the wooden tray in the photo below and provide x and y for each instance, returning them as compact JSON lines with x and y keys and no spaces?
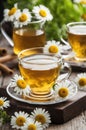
{"x":60,"y":113}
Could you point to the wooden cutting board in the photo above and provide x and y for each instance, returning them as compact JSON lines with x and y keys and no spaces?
{"x":60,"y":113}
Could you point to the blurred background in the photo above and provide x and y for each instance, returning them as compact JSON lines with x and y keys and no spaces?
{"x":63,"y":11}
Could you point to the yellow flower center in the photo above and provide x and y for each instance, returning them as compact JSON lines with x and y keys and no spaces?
{"x":83,"y":1}
{"x":40,"y":118}
{"x":63,"y":92}
{"x":82,"y":81}
{"x":1,"y":102}
{"x":12,"y":11}
{"x":20,"y":121}
{"x":21,"y":84}
{"x":32,"y":127}
{"x":84,"y":16}
{"x":53,"y":49}
{"x":23,"y":18}
{"x":43,"y":13}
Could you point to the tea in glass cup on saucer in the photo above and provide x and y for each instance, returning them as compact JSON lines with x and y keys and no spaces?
{"x":40,"y":70}
{"x":29,"y":36}
{"x":77,"y":39}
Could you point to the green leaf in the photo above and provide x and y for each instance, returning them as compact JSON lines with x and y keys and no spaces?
{"x":63,"y":11}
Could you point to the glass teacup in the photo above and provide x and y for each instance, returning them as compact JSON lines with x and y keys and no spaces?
{"x":77,"y":39}
{"x":40,"y":70}
{"x":28,"y":36}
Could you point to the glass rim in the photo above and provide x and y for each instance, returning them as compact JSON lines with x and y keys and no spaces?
{"x":36,"y":20}
{"x":75,"y":23}
{"x":59,"y":57}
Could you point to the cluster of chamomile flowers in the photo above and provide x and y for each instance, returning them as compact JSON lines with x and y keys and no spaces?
{"x":39,"y":119}
{"x":20,"y":18}
{"x":23,"y":17}
{"x":62,"y":90}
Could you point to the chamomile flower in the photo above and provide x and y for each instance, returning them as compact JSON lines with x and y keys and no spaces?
{"x":4,"y":103}
{"x":19,"y":119}
{"x":19,"y":84}
{"x":42,"y":116}
{"x":23,"y":18}
{"x":9,"y":14}
{"x":81,"y":81}
{"x":53,"y":47}
{"x":64,"y":89}
{"x":32,"y":125}
{"x":42,"y":13}
{"x":83,"y":2}
{"x":76,"y":1}
{"x":80,"y":1}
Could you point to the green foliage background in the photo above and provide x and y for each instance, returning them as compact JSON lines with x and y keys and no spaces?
{"x":63,"y":11}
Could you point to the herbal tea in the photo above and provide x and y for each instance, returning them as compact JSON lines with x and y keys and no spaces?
{"x":28,"y":38}
{"x":77,"y":40}
{"x":40,"y":72}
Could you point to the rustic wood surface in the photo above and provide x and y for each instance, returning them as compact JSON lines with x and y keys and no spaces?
{"x":77,"y":123}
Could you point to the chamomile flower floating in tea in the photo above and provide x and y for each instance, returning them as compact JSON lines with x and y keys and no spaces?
{"x":41,"y":115}
{"x":23,"y":18}
{"x":19,"y":84}
{"x":4,"y":103}
{"x":63,"y":89}
{"x":81,"y":80}
{"x":42,"y":12}
{"x":32,"y":125}
{"x":9,"y":14}
{"x":53,"y":47}
{"x":19,"y":119}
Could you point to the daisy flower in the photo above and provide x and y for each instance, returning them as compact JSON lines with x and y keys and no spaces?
{"x":23,"y":18}
{"x":4,"y":103}
{"x":41,"y":116}
{"x":76,"y":1}
{"x":42,"y":13}
{"x":53,"y":47}
{"x":81,"y":81}
{"x":19,"y":119}
{"x":64,"y":89}
{"x":9,"y":14}
{"x":19,"y":84}
{"x":80,"y":1}
{"x":32,"y":125}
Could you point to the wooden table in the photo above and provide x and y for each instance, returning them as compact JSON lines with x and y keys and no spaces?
{"x":77,"y":123}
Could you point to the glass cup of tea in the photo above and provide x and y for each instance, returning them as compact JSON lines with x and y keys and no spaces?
{"x":27,"y":36}
{"x":41,"y":71}
{"x":77,"y":39}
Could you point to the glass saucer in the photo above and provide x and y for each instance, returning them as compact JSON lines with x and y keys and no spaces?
{"x":54,"y":100}
{"x":70,"y":59}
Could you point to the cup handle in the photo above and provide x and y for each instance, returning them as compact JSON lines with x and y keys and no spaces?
{"x":65,"y":72}
{"x":3,"y":30}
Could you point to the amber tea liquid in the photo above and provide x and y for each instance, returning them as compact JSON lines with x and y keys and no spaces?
{"x":40,"y":77}
{"x":28,"y":38}
{"x":77,"y":40}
